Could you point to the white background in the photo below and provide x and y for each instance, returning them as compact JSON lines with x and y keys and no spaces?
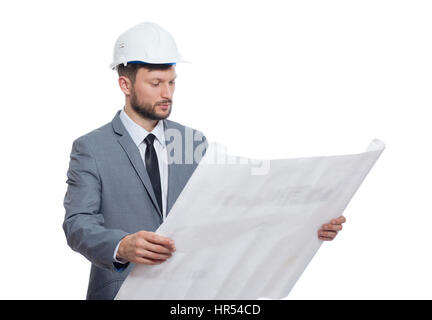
{"x":269,"y":79}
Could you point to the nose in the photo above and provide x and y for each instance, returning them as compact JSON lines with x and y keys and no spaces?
{"x":167,"y":91}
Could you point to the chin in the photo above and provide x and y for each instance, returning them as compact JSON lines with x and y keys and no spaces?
{"x":164,"y":114}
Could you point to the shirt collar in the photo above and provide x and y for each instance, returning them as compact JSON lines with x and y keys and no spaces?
{"x":138,"y":133}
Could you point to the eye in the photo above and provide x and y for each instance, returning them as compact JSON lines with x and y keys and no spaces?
{"x":155,"y":84}
{"x":172,"y":83}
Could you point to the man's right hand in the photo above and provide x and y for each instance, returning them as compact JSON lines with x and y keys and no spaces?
{"x":145,"y":247}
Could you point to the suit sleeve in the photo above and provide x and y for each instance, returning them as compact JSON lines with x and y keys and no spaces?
{"x":84,"y":223}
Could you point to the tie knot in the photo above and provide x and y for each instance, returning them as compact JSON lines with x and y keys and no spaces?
{"x":149,"y":139}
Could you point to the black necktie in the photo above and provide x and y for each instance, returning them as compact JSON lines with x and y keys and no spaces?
{"x":152,"y":167}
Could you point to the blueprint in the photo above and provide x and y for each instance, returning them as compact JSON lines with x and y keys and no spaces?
{"x":247,"y":229}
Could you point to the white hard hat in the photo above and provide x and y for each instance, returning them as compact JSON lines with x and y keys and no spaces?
{"x":146,"y":42}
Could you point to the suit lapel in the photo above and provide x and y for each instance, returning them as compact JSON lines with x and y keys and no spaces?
{"x":134,"y":156}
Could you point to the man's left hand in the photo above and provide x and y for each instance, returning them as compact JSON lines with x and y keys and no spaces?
{"x":329,"y":231}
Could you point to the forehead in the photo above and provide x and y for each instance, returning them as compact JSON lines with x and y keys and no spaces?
{"x":145,"y":74}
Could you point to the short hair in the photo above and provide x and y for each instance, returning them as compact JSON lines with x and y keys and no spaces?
{"x":131,"y":69}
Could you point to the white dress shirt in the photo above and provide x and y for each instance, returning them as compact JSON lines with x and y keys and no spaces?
{"x":138,"y":134}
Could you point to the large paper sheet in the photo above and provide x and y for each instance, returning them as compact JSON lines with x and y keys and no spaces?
{"x":247,"y":229}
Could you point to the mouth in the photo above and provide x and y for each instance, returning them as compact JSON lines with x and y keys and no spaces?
{"x":164,"y":106}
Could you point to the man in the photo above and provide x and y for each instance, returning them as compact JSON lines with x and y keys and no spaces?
{"x":122,"y":181}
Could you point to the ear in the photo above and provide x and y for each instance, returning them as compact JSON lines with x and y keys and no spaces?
{"x":125,"y":85}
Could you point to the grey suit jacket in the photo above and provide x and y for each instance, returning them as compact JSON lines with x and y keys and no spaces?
{"x":110,"y":195}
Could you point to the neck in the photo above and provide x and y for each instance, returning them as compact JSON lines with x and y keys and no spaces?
{"x":146,"y":123}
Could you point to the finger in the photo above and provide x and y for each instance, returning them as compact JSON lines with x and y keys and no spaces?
{"x":142,"y":242}
{"x":158,"y":239}
{"x":339,"y":220}
{"x":158,"y":248}
{"x":325,"y":238}
{"x":154,"y":256}
{"x":143,"y":253}
{"x":332,"y":227}
{"x":327,"y":234}
{"x":148,"y":261}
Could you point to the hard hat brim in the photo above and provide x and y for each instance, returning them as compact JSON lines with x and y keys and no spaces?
{"x":115,"y":64}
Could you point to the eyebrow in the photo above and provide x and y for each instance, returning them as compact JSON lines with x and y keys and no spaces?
{"x":162,"y":79}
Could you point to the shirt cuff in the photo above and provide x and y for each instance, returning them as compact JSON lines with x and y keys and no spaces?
{"x":115,"y":255}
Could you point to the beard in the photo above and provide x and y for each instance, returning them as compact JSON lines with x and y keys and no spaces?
{"x":148,"y":110}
